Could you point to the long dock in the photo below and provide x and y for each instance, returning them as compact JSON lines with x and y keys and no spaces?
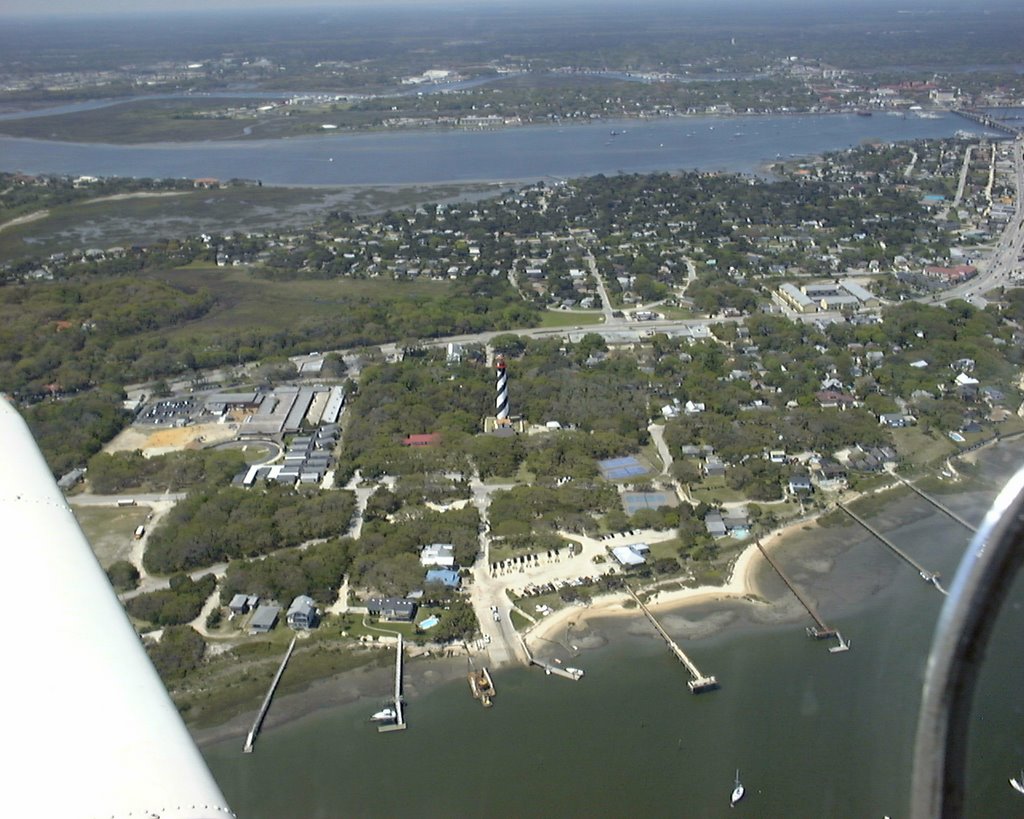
{"x":250,"y":739}
{"x":699,"y":682}
{"x":926,"y":576}
{"x":820,"y":630}
{"x":944,"y":509}
{"x":399,"y":723}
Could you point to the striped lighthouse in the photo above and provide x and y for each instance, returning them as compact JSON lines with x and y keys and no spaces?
{"x":501,"y":398}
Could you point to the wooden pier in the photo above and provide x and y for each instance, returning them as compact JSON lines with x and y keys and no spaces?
{"x":944,"y":509}
{"x":926,"y":576}
{"x":699,"y":682}
{"x":399,"y":724}
{"x":820,"y":630}
{"x":250,"y":739}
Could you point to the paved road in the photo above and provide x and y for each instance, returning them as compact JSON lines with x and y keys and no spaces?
{"x":997,"y":270}
{"x":144,"y":499}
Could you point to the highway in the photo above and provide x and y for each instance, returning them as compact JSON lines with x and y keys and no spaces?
{"x":996,"y":270}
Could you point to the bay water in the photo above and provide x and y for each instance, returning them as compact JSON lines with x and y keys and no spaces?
{"x":813,"y":734}
{"x":742,"y":144}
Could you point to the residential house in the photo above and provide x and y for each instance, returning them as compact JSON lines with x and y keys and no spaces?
{"x":264,"y":619}
{"x":438,"y":554}
{"x":714,"y":524}
{"x":449,"y":578}
{"x":714,"y":467}
{"x":243,"y":603}
{"x":397,"y":609}
{"x":302,"y":613}
{"x":800,"y":485}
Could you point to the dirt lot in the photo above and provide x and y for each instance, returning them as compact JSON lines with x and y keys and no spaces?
{"x":158,"y":441}
{"x":110,"y":530}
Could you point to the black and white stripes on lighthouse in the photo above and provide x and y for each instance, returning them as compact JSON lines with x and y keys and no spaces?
{"x":501,"y":399}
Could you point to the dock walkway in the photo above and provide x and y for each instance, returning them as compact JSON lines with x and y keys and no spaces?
{"x":399,"y":724}
{"x":250,"y":739}
{"x":942,"y":508}
{"x":699,"y":682}
{"x":820,"y":630}
{"x":927,"y":576}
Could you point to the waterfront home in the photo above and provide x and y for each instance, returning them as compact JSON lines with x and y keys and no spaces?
{"x":264,"y":619}
{"x":301,"y":613}
{"x":398,"y":609}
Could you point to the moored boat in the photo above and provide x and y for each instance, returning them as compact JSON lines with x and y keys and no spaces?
{"x":737,"y":791}
{"x":1018,"y":783}
{"x":385,"y":715}
{"x":481,"y":685}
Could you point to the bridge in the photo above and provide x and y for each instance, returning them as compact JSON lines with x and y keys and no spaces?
{"x":987,"y":120}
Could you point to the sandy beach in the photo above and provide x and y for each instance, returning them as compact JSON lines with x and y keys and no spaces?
{"x":742,"y":584}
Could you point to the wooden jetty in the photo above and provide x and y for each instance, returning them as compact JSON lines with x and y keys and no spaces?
{"x":820,"y":630}
{"x":399,"y":722}
{"x":926,"y":576}
{"x":698,"y":682}
{"x":934,"y":502}
{"x":250,"y":739}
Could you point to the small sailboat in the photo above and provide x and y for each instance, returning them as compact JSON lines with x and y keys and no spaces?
{"x":737,"y":791}
{"x":1018,"y":783}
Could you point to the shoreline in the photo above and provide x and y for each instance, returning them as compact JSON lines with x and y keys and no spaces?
{"x":741,"y":585}
{"x":426,"y":672}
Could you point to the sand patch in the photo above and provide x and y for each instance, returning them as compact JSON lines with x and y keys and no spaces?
{"x":161,"y":441}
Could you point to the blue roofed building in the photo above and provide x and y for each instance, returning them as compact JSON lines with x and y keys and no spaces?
{"x":447,"y":577}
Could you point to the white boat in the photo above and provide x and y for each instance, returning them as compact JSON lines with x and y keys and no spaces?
{"x":387,"y":715}
{"x":737,"y":791}
{"x":1018,"y":783}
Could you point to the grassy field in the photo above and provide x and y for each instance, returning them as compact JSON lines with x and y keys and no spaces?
{"x":237,"y":682}
{"x":139,"y":220}
{"x":556,"y":318}
{"x":244,"y":301}
{"x":110,"y":529}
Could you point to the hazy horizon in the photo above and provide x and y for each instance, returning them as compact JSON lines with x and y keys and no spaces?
{"x":135,"y":8}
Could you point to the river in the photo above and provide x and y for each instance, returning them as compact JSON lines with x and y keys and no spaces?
{"x":743,"y":144}
{"x":814,"y":734}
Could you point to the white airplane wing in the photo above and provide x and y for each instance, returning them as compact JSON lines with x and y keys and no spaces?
{"x":89,"y":728}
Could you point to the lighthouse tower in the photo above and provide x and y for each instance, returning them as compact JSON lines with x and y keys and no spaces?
{"x":501,"y":398}
{"x":502,"y":423}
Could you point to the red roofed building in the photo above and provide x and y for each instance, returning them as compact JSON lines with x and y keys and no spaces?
{"x":422,"y":439}
{"x":959,"y":273}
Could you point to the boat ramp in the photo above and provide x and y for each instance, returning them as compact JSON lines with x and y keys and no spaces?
{"x":698,"y":682}
{"x":551,"y":668}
